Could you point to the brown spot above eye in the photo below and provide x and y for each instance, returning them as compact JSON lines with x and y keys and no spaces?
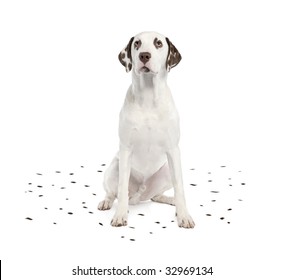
{"x":137,"y":44}
{"x":158,"y":43}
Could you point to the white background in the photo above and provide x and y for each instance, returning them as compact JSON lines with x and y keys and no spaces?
{"x":61,"y":89}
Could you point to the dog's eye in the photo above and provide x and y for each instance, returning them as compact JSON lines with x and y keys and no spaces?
{"x":137,"y":44}
{"x":158,"y":43}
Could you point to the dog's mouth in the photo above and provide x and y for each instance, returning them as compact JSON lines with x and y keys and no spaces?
{"x":145,"y":69}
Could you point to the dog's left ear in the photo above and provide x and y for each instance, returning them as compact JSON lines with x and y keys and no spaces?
{"x":125,"y":56}
{"x":174,"y":56}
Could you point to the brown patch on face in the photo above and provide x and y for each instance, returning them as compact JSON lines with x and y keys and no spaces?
{"x":174,"y":56}
{"x":158,"y":43}
{"x":137,"y":44}
{"x":129,"y":66}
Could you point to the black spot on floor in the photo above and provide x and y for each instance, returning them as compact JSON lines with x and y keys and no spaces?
{"x":28,"y":218}
{"x":57,"y":171}
{"x":215,"y":191}
{"x":140,"y":214}
{"x":230,"y":209}
{"x":70,"y":213}
{"x":73,"y":182}
{"x":193,"y":185}
{"x":222,"y":166}
{"x":103,"y":164}
{"x":209,"y":180}
{"x":222,"y":218}
{"x":71,"y":173}
{"x":101,"y":224}
{"x":157,"y":222}
{"x":90,"y":212}
{"x":243,"y":184}
{"x":39,"y":186}
{"x":41,"y":195}
{"x":208,"y":215}
{"x":99,"y":171}
{"x":132,"y":239}
{"x":132,"y":227}
{"x":39,"y":174}
{"x":87,"y":186}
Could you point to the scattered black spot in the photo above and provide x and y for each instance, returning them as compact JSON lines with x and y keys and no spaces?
{"x":39,"y":174}
{"x":30,"y":183}
{"x":57,"y":171}
{"x":101,"y":224}
{"x":151,"y":232}
{"x":41,"y":195}
{"x":60,"y":208}
{"x":229,"y":178}
{"x":243,"y":184}
{"x":30,"y":191}
{"x":230,"y":185}
{"x":209,"y":172}
{"x":71,"y":173}
{"x":87,"y":186}
{"x":103,"y":164}
{"x":73,"y":182}
{"x":28,"y":218}
{"x":192,"y":169}
{"x":132,"y":239}
{"x":222,"y":218}
{"x":55,"y":223}
{"x":99,"y":171}
{"x":62,"y":188}
{"x":45,"y":208}
{"x":52,"y":185}
{"x":67,"y":198}
{"x":83,"y":202}
{"x":132,"y":227}
{"x":172,"y":221}
{"x":209,"y":180}
{"x":140,"y":214}
{"x":222,"y":166}
{"x":164,"y":227}
{"x":122,"y":236}
{"x":82,"y":166}
{"x":215,"y":191}
{"x":240,"y":199}
{"x":85,"y":207}
{"x":91,"y":212}
{"x":213,"y":200}
{"x":240,"y":171}
{"x":70,"y":213}
{"x":157,"y":222}
{"x":94,"y":194}
{"x":201,"y":205}
{"x":193,"y":185}
{"x":230,"y":209}
{"x":208,"y":215}
{"x":228,"y":222}
{"x":39,"y":186}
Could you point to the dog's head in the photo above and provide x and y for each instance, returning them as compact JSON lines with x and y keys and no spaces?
{"x":149,"y":53}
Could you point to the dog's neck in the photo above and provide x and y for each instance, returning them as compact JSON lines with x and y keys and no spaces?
{"x":147,"y":88}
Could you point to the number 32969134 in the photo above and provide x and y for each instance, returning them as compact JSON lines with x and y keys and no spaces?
{"x":189,"y":270}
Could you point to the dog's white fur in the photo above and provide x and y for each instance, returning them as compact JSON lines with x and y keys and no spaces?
{"x":148,"y":161}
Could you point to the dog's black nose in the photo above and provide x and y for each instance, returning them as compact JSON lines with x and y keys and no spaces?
{"x":144,"y":57}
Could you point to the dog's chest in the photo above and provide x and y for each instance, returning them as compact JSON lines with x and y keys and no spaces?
{"x":148,"y":129}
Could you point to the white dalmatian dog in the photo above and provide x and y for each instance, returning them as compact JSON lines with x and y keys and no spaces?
{"x":148,"y":161}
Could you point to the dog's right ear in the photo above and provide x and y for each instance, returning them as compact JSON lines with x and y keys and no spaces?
{"x":125,"y":56}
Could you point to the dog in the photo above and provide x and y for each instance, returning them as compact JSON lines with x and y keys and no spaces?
{"x":148,"y":161}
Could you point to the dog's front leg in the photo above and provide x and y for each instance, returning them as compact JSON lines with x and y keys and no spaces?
{"x":184,"y":219}
{"x":120,"y":216}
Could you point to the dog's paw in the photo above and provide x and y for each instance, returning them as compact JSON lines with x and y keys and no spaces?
{"x":105,"y":205}
{"x":185,"y":221}
{"x":119,"y":220}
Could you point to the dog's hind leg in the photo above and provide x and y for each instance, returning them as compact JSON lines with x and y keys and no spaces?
{"x":164,"y":199}
{"x":110,"y":185}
